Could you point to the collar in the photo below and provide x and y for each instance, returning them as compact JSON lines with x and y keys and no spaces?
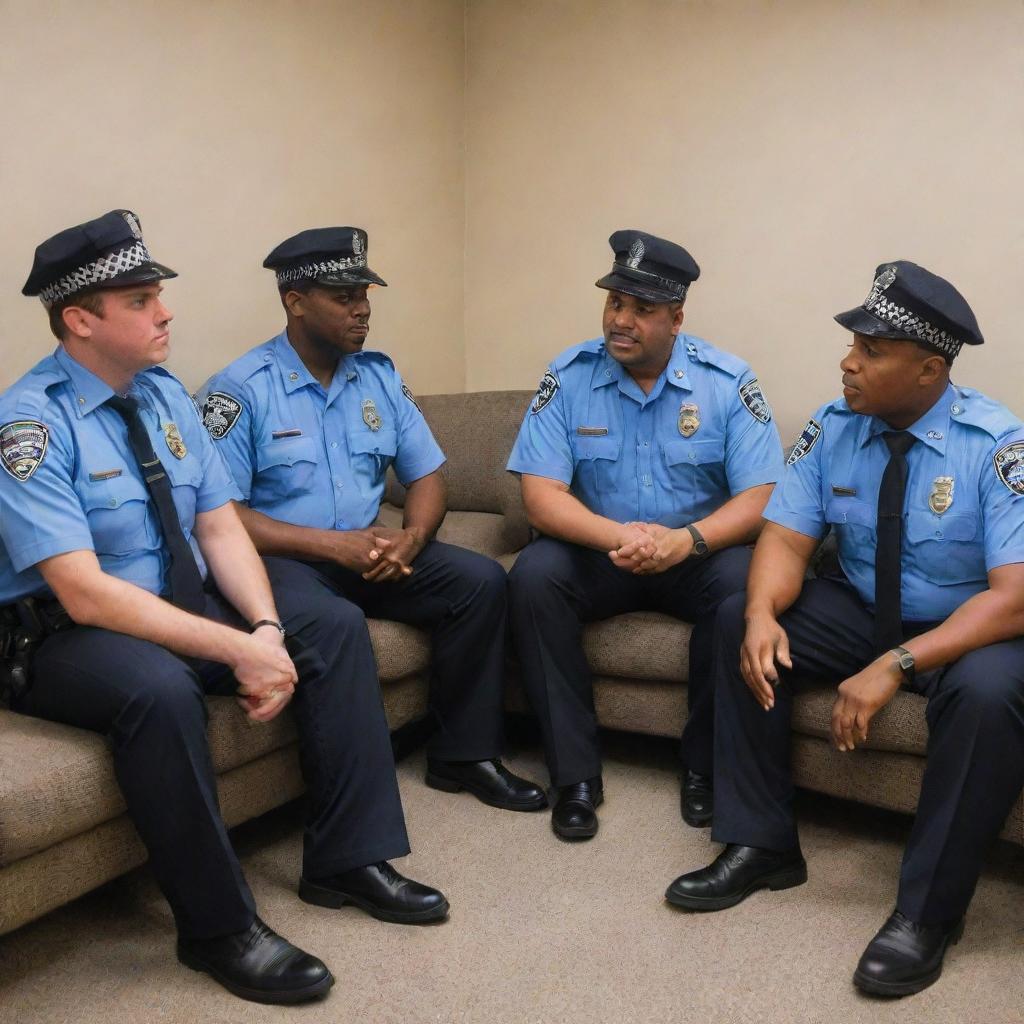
{"x":90,"y":391}
{"x":931,"y":429}
{"x":293,"y":371}
{"x":610,"y":371}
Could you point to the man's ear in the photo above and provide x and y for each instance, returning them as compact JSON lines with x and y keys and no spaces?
{"x":76,"y":321}
{"x":293,"y":302}
{"x":677,"y":319}
{"x":933,"y":369}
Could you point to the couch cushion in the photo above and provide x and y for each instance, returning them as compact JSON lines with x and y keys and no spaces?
{"x":899,"y":727}
{"x":639,"y":645}
{"x":486,"y":532}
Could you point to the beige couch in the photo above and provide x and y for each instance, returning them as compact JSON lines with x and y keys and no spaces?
{"x":63,"y":829}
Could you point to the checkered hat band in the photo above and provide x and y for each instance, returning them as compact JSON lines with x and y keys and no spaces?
{"x":910,"y":323}
{"x":646,"y":277}
{"x":288,"y":274}
{"x":104,"y":269}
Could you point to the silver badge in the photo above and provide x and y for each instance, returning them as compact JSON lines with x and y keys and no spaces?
{"x":636,"y":253}
{"x":23,"y":445}
{"x":941,"y":497}
{"x":132,"y":222}
{"x":884,"y":279}
{"x":753,"y":398}
{"x":805,"y":442}
{"x":220,"y":413}
{"x":357,"y":244}
{"x":689,"y":419}
{"x":545,"y":392}
{"x":1009,"y":463}
{"x":370,"y":415}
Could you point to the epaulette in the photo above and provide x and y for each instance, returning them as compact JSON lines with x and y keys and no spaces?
{"x":593,"y":347}
{"x":246,"y":365}
{"x":373,"y":355}
{"x":701,"y":351}
{"x":30,"y":393}
{"x":974,"y":409}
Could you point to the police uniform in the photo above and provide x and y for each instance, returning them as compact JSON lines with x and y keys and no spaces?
{"x":70,"y":481}
{"x":672,"y":456}
{"x":963,"y":516}
{"x":318,"y":458}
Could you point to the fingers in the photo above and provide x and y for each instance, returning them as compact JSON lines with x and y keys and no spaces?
{"x":752,"y":671}
{"x":782,"y":650}
{"x":843,"y":727}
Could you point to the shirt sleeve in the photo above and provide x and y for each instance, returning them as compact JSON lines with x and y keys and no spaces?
{"x":796,"y":501}
{"x":42,"y":516}
{"x":418,"y":453}
{"x":1002,"y":501}
{"x":232,"y":435}
{"x":753,"y":451}
{"x":542,"y":446}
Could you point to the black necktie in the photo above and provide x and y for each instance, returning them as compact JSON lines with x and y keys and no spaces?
{"x":888,"y":607}
{"x":186,"y":583}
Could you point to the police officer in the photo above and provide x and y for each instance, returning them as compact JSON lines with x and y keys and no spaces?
{"x":645,"y":461}
{"x":309,"y":423}
{"x":922,"y":483}
{"x":117,"y":520}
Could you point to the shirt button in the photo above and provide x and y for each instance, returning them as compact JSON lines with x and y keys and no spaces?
{"x":338,"y":483}
{"x":293,"y":376}
{"x":607,"y":373}
{"x":956,"y":410}
{"x":112,"y":502}
{"x":679,"y":373}
{"x":647,"y":444}
{"x":938,"y":533}
{"x":81,"y":400}
{"x":334,"y":444}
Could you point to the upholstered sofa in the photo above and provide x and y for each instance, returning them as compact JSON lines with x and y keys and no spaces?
{"x":63,"y":830}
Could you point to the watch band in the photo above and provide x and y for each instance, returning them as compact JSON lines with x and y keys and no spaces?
{"x":905,"y":660}
{"x":268,"y":622}
{"x":700,"y":545}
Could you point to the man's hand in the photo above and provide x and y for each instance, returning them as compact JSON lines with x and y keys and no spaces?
{"x":265,"y":673}
{"x":635,"y":544}
{"x":860,"y":698}
{"x":353,"y":549}
{"x":765,"y":647}
{"x":393,"y":553}
{"x":671,"y":547}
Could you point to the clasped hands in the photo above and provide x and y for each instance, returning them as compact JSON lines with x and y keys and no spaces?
{"x":859,"y":697}
{"x":380,"y":554}
{"x":265,"y":673}
{"x":646,"y":548}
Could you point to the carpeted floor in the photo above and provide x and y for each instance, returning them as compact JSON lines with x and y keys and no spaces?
{"x":542,"y":931}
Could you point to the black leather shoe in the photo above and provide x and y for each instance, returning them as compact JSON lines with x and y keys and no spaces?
{"x":258,"y":964}
{"x":696,"y":799}
{"x":905,"y":957}
{"x":379,"y":890}
{"x":575,"y":812}
{"x":734,"y":874}
{"x":489,"y":781}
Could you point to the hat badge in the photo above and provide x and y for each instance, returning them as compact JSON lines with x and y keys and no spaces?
{"x":636,"y":253}
{"x":357,"y":244}
{"x":881,"y":283}
{"x":133,"y":223}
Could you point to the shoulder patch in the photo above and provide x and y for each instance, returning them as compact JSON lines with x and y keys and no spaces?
{"x":753,"y":398}
{"x":1009,"y":464}
{"x":545,"y":392}
{"x":805,"y":442}
{"x":408,"y":394}
{"x":23,"y":446}
{"x":220,"y":413}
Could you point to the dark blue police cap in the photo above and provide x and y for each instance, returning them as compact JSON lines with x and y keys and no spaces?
{"x":649,"y":267}
{"x":909,"y":303}
{"x":333,"y":257}
{"x":107,"y":252}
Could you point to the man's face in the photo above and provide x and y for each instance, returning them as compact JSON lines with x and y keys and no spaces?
{"x":881,"y":376}
{"x":640,"y":334}
{"x":337,"y":318}
{"x":133,"y":332}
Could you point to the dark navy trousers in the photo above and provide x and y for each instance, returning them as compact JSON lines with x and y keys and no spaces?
{"x":151,"y":705}
{"x":555,"y":587}
{"x":461,"y":597}
{"x":975,"y":766}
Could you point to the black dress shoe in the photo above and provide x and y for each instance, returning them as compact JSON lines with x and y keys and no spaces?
{"x":734,"y":874}
{"x":379,"y":890}
{"x":489,"y":781}
{"x":905,"y":957}
{"x":258,"y":964}
{"x":575,"y":812}
{"x":696,"y":799}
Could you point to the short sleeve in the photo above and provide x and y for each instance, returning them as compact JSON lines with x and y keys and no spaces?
{"x":542,"y":447}
{"x":418,"y":453}
{"x":1002,"y":502}
{"x":753,"y":451}
{"x":796,"y":501}
{"x":227,"y":412}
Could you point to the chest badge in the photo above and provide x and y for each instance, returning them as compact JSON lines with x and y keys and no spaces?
{"x":941,"y":497}
{"x":689,"y":419}
{"x":172,"y":435}
{"x":370,"y":415}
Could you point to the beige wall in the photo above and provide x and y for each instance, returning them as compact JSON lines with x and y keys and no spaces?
{"x":790,"y":145}
{"x":228,"y":125}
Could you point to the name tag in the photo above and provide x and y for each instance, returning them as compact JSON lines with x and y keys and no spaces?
{"x":844,"y":492}
{"x":591,"y":431}
{"x":107,"y":474}
{"x":294,"y":432}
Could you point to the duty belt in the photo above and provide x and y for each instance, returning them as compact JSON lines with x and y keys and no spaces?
{"x":24,"y":625}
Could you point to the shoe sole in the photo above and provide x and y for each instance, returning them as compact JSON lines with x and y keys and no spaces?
{"x":332,"y":898}
{"x":581,"y":831}
{"x":704,"y":821}
{"x":450,"y":786}
{"x":787,"y":879}
{"x":258,"y":995}
{"x":875,"y":987}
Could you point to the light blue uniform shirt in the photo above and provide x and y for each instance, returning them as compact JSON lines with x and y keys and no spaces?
{"x":312,"y":457}
{"x":87,"y":491}
{"x":702,"y":435}
{"x":962,"y":516}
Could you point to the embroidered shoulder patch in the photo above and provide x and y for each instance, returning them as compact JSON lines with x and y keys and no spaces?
{"x":753,"y":398}
{"x":1009,"y":463}
{"x":408,"y":394}
{"x":23,"y":446}
{"x":220,"y":413}
{"x":549,"y":384}
{"x":805,"y":442}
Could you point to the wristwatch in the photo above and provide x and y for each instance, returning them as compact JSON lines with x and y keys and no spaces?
{"x":905,"y":660}
{"x":268,"y":622}
{"x":700,"y":545}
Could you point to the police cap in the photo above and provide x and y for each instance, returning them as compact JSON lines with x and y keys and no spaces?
{"x":649,"y":267}
{"x":333,"y":257}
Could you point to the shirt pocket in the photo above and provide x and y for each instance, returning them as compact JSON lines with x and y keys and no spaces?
{"x":596,"y":459}
{"x":853,"y":522}
{"x":696,"y":473}
{"x":186,"y":477}
{"x":286,"y":468}
{"x":372,"y":451}
{"x":116,"y":512}
{"x":948,"y":547}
